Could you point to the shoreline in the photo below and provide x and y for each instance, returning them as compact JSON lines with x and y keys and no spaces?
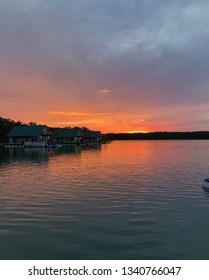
{"x":195,"y":135}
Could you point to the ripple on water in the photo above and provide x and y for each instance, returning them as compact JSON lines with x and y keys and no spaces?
{"x":133,"y":199}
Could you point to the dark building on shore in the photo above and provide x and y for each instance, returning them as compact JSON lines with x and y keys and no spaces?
{"x":19,"y":135}
{"x":67,"y":136}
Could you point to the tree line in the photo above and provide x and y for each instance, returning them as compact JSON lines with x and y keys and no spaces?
{"x":193,"y":135}
{"x":7,"y":124}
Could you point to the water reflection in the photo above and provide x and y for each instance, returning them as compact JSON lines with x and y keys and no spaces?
{"x":11,"y":154}
{"x":24,"y":155}
{"x":92,"y":147}
{"x":206,"y":192}
{"x":71,"y":149}
{"x":4,"y":155}
{"x":126,"y":200}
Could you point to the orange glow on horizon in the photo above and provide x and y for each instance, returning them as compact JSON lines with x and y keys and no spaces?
{"x":138,"y":131}
{"x":67,"y":113}
{"x":109,"y":122}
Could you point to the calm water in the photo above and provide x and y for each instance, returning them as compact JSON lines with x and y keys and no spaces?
{"x":124,"y":200}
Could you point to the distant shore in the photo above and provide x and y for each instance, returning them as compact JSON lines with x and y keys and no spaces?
{"x":194,"y":135}
{"x":7,"y":124}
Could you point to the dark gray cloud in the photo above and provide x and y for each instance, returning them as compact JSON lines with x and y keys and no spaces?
{"x":146,"y":52}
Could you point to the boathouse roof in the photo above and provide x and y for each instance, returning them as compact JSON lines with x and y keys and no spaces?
{"x":91,"y":134}
{"x":26,"y":130}
{"x":67,"y":132}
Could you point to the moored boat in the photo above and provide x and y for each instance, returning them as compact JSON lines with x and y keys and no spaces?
{"x":35,"y":144}
{"x":205,"y":184}
{"x":55,"y":145}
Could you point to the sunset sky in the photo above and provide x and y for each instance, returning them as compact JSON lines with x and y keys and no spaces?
{"x":109,"y":65}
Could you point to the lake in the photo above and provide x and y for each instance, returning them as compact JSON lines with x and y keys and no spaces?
{"x":123,"y":200}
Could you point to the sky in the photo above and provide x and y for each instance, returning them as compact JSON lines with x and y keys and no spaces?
{"x":113,"y":66}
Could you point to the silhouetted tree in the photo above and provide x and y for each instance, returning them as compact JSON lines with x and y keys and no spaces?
{"x":32,"y":123}
{"x":5,"y":126}
{"x":84,"y":128}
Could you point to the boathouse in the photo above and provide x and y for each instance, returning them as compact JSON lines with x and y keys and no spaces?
{"x":68,"y":136}
{"x":91,"y":137}
{"x":25,"y":133}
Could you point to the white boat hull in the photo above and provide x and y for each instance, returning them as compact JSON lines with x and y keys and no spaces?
{"x":205,"y":184}
{"x":35,"y":144}
{"x":55,"y":145}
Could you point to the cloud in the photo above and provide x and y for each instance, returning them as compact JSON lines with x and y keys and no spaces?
{"x":104,"y":91}
{"x":59,"y":53}
{"x":74,"y":114}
